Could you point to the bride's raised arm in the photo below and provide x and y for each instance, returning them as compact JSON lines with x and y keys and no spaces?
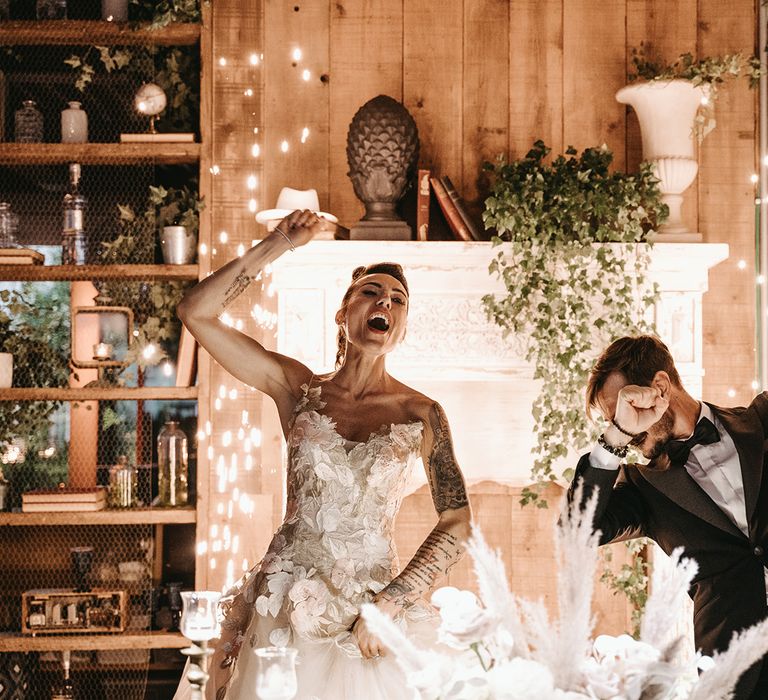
{"x":242,"y":356}
{"x":444,"y":545}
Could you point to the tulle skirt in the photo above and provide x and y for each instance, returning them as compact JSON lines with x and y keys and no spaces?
{"x":324,"y":669}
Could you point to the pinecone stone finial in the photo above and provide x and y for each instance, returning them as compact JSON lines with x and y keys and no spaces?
{"x":382,"y":152}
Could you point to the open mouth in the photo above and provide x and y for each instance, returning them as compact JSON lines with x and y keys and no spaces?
{"x":378,"y":322}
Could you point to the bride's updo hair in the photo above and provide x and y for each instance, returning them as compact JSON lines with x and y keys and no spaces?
{"x":384,"y":268}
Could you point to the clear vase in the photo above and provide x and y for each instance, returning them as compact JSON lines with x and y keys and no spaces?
{"x":74,"y":124}
{"x":9,"y":226}
{"x":51,"y":9}
{"x":28,"y":123}
{"x":172,"y":465}
{"x":123,"y":484}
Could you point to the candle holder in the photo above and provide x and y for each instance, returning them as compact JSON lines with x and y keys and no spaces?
{"x":276,"y":674}
{"x":199,"y":624}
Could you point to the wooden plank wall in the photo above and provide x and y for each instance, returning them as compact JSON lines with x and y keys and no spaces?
{"x":484,"y":77}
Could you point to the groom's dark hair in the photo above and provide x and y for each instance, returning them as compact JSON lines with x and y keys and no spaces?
{"x":638,"y":358}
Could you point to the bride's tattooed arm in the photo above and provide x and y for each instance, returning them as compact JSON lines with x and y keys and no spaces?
{"x":444,"y":546}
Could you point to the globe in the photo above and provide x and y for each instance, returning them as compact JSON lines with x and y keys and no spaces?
{"x":150,"y":99}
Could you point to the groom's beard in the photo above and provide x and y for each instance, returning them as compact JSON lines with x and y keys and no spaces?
{"x":653,"y":443}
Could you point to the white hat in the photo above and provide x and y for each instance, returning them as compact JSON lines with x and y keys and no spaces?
{"x":290,"y":200}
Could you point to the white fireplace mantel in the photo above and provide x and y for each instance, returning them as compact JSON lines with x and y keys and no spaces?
{"x":451,"y":351}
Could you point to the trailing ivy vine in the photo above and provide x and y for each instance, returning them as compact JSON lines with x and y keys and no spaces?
{"x":573,"y":242}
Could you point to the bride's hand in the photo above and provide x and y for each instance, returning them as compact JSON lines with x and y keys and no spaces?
{"x":370,"y":646}
{"x":300,"y":227}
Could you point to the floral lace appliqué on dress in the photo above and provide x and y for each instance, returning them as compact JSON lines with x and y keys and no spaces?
{"x":334,"y":551}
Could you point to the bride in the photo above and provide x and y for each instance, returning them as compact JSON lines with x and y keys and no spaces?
{"x":353,"y":436}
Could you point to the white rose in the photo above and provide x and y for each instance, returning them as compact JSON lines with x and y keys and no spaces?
{"x":463,"y":620}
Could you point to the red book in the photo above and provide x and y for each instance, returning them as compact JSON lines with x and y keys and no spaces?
{"x":463,"y":213}
{"x":452,"y":216}
{"x":422,"y":205}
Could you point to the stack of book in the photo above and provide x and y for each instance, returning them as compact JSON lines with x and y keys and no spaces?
{"x":64,"y":499}
{"x":461,"y":223}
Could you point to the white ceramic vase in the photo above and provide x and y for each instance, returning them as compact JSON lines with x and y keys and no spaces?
{"x":178,"y":245}
{"x":74,"y":124}
{"x":6,"y":370}
{"x":666,"y":111}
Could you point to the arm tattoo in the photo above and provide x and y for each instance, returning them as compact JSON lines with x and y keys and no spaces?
{"x":445,"y":479}
{"x":238,"y":286}
{"x":439,"y":552}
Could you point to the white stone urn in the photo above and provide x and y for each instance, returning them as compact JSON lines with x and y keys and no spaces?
{"x":666,"y":111}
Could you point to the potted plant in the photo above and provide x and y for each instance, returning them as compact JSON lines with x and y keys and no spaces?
{"x":178,"y":216}
{"x":572,"y":251}
{"x":675,"y":104}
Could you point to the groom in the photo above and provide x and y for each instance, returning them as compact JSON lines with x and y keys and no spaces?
{"x":703,"y":489}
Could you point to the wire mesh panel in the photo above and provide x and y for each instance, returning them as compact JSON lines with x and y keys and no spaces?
{"x":94,"y":556}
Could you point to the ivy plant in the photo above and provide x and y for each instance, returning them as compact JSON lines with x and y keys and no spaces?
{"x":154,"y":304}
{"x":34,"y":328}
{"x":631,"y":580}
{"x":573,"y":249}
{"x":711,"y":72}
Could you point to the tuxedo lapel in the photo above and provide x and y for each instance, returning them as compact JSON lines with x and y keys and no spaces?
{"x":747,"y":432}
{"x":680,"y":488}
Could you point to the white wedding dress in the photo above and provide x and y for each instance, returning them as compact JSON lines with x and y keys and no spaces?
{"x":334,"y":551}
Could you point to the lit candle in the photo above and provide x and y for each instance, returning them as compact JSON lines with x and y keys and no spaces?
{"x":102,"y":351}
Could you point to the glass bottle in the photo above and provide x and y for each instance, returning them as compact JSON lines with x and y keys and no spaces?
{"x":122,"y":484}
{"x":74,"y":245}
{"x":172,"y":464}
{"x":9,"y":226}
{"x":74,"y":124}
{"x":51,"y":9}
{"x":28,"y":123}
{"x":64,"y":689}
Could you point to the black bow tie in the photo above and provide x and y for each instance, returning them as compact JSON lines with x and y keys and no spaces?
{"x":705,"y":433}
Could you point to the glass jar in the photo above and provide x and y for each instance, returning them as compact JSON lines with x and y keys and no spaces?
{"x":28,"y":123}
{"x":123,"y":484}
{"x":74,"y":124}
{"x":172,"y":465}
{"x":51,"y":9}
{"x":9,"y":226}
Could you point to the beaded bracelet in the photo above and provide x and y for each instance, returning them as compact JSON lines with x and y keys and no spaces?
{"x":619,"y":450}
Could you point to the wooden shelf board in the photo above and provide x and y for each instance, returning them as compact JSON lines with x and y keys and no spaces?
{"x":133,"y":516}
{"x":89,"y":32}
{"x":118,"y":393}
{"x":19,"y":273}
{"x":98,"y":153}
{"x":10,"y":641}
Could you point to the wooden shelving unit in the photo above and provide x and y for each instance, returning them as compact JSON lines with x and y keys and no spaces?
{"x":74,"y":32}
{"x":117,"y":393}
{"x":98,"y":153}
{"x":41,"y":273}
{"x":132,"y":516}
{"x":88,"y":642}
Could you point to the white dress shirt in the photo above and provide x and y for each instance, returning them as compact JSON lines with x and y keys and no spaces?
{"x":716,"y":468}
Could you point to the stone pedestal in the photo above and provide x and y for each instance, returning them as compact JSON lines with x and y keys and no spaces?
{"x":380,"y":231}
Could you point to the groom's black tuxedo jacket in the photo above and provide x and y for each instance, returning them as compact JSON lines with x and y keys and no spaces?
{"x":669,"y":507}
